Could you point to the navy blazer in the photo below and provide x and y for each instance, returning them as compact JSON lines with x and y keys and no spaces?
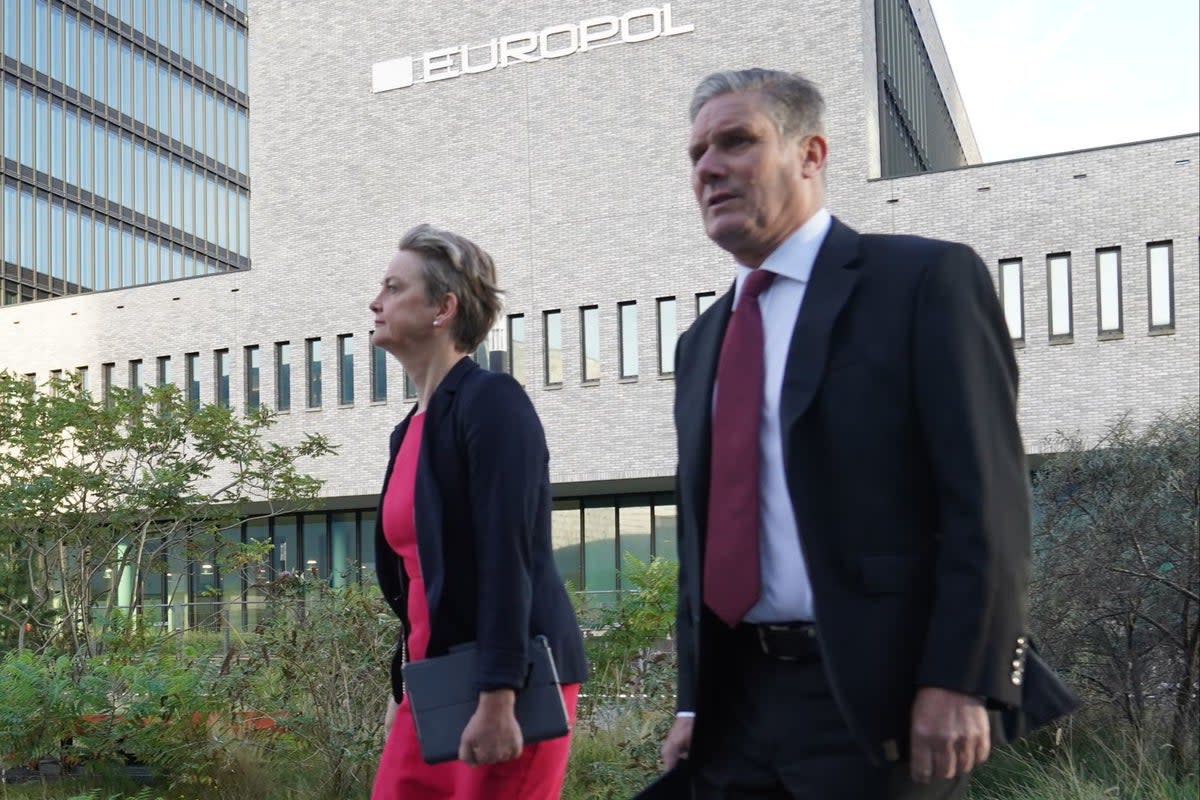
{"x":483,"y":531}
{"x":907,"y":476}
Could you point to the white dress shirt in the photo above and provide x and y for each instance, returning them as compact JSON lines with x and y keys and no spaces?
{"x":786,"y":590}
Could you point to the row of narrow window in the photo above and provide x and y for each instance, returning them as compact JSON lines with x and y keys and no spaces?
{"x":509,"y":356}
{"x":1110,"y":293}
{"x":512,"y":354}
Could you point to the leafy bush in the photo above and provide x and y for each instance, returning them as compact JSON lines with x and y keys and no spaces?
{"x":629,"y":701}
{"x":319,"y":666}
{"x":149,"y":706}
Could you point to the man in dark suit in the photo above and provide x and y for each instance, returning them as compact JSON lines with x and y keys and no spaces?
{"x":852,"y":488}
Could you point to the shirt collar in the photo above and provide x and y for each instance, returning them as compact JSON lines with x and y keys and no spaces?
{"x":794,"y":258}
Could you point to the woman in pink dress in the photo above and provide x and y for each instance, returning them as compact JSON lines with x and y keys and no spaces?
{"x":463,"y":545}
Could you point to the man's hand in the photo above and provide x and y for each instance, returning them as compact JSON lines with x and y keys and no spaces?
{"x":493,"y":734}
{"x":950,"y":734}
{"x":389,"y":717}
{"x":678,"y":742}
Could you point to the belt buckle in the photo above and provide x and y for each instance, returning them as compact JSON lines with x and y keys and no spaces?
{"x":762,"y":640}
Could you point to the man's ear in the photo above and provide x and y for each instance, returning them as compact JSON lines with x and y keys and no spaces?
{"x":814,"y":152}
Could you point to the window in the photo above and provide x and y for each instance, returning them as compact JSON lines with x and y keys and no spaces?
{"x":627,"y":318}
{"x":81,"y":377}
{"x":283,"y":376}
{"x":106,"y":382}
{"x":345,"y":345}
{"x":704,"y":300}
{"x":410,"y":388}
{"x":1058,"y":279}
{"x":1160,"y":263}
{"x":378,"y":374}
{"x":666,"y":335}
{"x":1108,"y":292}
{"x":1012,"y":298}
{"x":253,"y":377}
{"x":552,"y":329}
{"x":312,"y":358}
{"x":136,"y":379}
{"x":163,"y":376}
{"x":221,"y":377}
{"x":191,"y":379}
{"x":589,"y":323}
{"x":164,"y":371}
{"x":516,"y":347}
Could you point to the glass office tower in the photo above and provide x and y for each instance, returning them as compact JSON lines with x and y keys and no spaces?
{"x":124,"y":137}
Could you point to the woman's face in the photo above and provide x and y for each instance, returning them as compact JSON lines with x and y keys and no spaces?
{"x":404,"y":317}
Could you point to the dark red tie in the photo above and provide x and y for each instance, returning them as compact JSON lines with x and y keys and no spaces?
{"x":732,"y":581}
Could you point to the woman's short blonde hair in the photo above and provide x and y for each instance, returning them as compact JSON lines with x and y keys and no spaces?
{"x":456,"y":265}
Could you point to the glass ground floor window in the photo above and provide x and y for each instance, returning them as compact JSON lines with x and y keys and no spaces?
{"x":593,"y":535}
{"x":194,"y":588}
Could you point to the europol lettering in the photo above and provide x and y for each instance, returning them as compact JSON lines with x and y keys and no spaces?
{"x":556,"y":41}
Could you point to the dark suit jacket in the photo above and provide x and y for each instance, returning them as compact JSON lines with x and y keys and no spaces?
{"x":483,"y":529}
{"x":907,"y":475}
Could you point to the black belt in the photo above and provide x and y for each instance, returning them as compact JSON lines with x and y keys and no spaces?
{"x":785,"y":641}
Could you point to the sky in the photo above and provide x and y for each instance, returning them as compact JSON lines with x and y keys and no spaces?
{"x":1046,"y":76}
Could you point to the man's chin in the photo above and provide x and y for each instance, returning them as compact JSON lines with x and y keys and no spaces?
{"x":727,"y":234}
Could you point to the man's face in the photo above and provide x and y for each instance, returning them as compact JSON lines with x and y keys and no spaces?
{"x":754,"y":186}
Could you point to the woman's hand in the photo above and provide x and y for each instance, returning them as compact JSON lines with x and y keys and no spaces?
{"x":492,"y":735}
{"x":389,"y":717}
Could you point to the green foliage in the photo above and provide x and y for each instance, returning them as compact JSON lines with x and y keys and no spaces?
{"x":1085,"y":761}
{"x":1117,"y":565}
{"x":40,"y":706}
{"x":149,"y":706}
{"x":93,"y":495}
{"x":629,"y":700}
{"x":319,"y":665}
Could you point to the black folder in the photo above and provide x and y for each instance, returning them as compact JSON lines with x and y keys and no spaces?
{"x":442,"y":695}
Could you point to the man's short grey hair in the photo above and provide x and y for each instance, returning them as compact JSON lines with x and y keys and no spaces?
{"x":455,"y":264}
{"x":793,"y":101}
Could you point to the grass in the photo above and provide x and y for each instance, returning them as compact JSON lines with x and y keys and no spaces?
{"x":612,"y":764}
{"x":1092,"y":768}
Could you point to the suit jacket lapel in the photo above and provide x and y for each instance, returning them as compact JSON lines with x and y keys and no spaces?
{"x":695,"y":392}
{"x":834,"y":275}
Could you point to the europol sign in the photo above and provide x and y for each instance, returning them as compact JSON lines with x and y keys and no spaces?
{"x":556,"y":41}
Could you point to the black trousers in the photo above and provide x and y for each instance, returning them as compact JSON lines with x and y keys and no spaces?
{"x":774,"y":732}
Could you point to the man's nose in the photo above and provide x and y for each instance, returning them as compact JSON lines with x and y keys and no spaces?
{"x":708,"y":168}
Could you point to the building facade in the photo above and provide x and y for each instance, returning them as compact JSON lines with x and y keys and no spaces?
{"x":125,"y":135}
{"x":554,"y":134}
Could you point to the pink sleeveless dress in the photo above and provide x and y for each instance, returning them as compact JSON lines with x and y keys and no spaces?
{"x":403,"y":775}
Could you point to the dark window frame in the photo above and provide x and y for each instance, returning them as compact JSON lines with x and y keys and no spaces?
{"x":658,"y":333}
{"x":222,"y":396}
{"x":585,"y":378}
{"x":1069,"y":336}
{"x":1169,"y":327}
{"x":313,"y":394}
{"x":378,"y":376}
{"x":283,"y":358}
{"x":1018,"y":341}
{"x":1119,"y":331}
{"x":345,"y":377}
{"x":556,"y":314}
{"x":622,"y":356}
{"x":192,"y":391}
{"x":518,"y":374}
{"x":252,"y":386}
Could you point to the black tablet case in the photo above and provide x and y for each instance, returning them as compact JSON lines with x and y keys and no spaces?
{"x":442,"y":695}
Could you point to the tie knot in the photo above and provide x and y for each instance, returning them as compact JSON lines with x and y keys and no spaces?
{"x":757,"y":282}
